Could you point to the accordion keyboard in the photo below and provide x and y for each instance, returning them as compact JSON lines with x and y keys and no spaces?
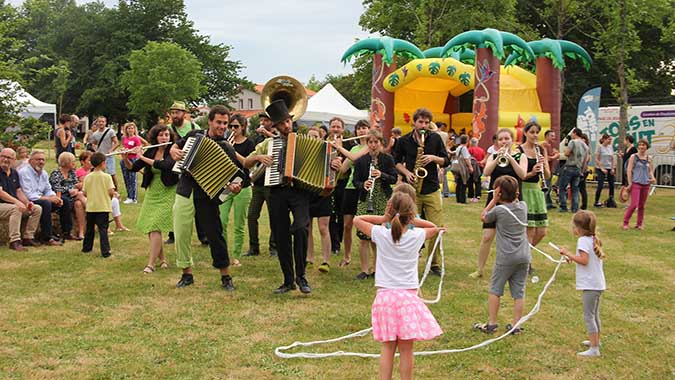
{"x":273,"y":174}
{"x":179,"y":166}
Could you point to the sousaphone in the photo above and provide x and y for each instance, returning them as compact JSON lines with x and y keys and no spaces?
{"x":290,"y":90}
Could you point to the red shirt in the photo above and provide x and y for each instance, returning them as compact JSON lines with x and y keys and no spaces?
{"x":478,"y":153}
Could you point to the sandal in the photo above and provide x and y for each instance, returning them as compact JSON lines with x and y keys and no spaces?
{"x":164,"y":265}
{"x":148,"y":269}
{"x":236,"y":263}
{"x":486,"y":328}
{"x":122,"y":229}
{"x":344,"y":263}
{"x":517,"y":331}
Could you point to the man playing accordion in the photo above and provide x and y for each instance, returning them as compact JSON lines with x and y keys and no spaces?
{"x":191,"y":201}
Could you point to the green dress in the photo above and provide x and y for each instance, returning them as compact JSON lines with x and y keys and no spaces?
{"x":156,"y":212}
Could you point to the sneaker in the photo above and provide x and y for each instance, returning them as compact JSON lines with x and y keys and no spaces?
{"x":324,"y":268}
{"x":362,"y":276}
{"x":476,"y":274}
{"x":227,"y":283}
{"x":436,"y":271}
{"x":591,"y":352}
{"x":597,"y":204}
{"x":185,"y":280}
{"x":587,"y":343}
{"x":128,"y":201}
{"x":303,"y":285}
{"x":625,"y":227}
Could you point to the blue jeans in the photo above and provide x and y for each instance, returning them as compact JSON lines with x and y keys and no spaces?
{"x":129,"y":179}
{"x":570,"y":175}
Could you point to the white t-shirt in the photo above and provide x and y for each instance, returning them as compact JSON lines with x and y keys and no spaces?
{"x":589,"y":276}
{"x":491,"y":150}
{"x":396,"y":266}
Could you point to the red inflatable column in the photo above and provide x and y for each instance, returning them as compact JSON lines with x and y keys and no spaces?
{"x":486,"y":97}
{"x":382,"y":101}
{"x":548,"y":89}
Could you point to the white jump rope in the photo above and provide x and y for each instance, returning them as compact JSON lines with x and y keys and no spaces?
{"x":280,"y":351}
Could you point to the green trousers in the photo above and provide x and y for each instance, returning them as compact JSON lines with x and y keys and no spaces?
{"x":431,"y":206}
{"x":183,"y":220}
{"x":240,"y":204}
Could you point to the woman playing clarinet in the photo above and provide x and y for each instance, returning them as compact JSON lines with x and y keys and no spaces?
{"x":374,"y":174}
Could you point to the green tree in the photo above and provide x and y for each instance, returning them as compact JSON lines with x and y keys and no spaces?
{"x":160,"y":73}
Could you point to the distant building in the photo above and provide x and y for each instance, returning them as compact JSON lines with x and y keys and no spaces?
{"x":248,"y":104}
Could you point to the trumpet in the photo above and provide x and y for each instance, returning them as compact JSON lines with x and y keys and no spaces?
{"x":537,"y":151}
{"x":419,"y":170}
{"x":503,"y":159}
{"x":143,"y":148}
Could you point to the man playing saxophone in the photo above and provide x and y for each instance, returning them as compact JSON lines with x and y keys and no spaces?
{"x":434,"y":155}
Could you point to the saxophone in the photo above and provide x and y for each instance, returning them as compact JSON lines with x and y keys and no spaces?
{"x":419,"y":170}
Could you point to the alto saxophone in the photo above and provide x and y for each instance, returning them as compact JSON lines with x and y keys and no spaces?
{"x":419,"y":170}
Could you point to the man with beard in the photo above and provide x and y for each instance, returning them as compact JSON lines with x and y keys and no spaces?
{"x":181,"y":127}
{"x":434,"y":155}
{"x":260,"y":195}
{"x":192,"y":202}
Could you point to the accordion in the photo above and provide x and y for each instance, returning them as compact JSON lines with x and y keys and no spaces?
{"x":305,"y":161}
{"x":209,"y":165}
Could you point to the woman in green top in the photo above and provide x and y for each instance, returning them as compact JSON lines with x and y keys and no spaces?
{"x":351,"y":196}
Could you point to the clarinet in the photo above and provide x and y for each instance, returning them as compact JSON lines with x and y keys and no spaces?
{"x":537,"y":151}
{"x":373,"y":164}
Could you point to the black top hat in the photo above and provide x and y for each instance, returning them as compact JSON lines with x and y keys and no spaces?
{"x":278,"y":111}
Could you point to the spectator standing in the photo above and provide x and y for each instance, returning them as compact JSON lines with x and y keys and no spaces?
{"x":465,"y":175}
{"x":605,"y":168}
{"x":64,"y":139}
{"x":640,"y":174}
{"x":99,"y":189}
{"x":104,"y":140}
{"x":553,"y":155}
{"x":130,"y":140}
{"x":629,"y":150}
{"x":477,"y":162}
{"x":577,"y":157}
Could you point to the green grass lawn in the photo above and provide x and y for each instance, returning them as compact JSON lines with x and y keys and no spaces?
{"x":67,"y":315}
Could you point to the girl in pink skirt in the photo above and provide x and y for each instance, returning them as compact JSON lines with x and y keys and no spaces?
{"x":399,"y":316}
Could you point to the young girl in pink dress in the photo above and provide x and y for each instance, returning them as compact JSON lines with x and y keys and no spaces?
{"x":399,"y":316}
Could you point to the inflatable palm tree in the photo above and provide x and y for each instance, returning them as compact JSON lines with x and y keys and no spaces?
{"x":550,"y":63}
{"x":384,"y":51}
{"x":489,"y":46}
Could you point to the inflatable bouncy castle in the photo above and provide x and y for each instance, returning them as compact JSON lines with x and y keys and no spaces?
{"x":465,"y":84}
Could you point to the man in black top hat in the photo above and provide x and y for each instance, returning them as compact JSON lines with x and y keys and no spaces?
{"x":260,"y":195}
{"x":284,"y":199}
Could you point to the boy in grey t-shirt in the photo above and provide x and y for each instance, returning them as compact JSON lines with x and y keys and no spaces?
{"x":513,"y":250}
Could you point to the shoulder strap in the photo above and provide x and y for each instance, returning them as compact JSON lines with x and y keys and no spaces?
{"x":105,"y":133}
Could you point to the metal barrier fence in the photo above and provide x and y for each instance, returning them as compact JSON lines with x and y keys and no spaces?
{"x":664,"y":170}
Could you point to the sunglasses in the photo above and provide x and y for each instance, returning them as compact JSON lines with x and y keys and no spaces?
{"x":234,"y":126}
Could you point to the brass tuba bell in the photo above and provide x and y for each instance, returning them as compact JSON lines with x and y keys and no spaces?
{"x":290,"y":90}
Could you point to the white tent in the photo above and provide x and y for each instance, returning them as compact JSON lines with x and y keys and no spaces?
{"x":329,"y":103}
{"x":32,"y":106}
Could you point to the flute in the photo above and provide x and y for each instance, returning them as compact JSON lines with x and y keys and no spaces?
{"x":143,"y":148}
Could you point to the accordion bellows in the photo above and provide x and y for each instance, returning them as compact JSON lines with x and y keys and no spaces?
{"x":208,"y":164}
{"x":308,"y":161}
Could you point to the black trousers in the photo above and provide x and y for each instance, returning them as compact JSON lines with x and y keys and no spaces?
{"x":282,"y":201}
{"x":66,"y":215}
{"x":207,"y":214}
{"x":45,"y":219}
{"x":336,"y":225}
{"x":474,"y":188}
{"x":100,"y":220}
{"x":583,"y":192}
{"x":601,"y":182}
{"x":260,"y":195}
{"x":460,"y":191}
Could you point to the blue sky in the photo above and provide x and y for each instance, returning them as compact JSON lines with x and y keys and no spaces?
{"x":299,"y":38}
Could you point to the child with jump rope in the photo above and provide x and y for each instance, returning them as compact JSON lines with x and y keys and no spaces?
{"x":513,"y":252}
{"x":399,"y":316}
{"x":590,"y":276}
